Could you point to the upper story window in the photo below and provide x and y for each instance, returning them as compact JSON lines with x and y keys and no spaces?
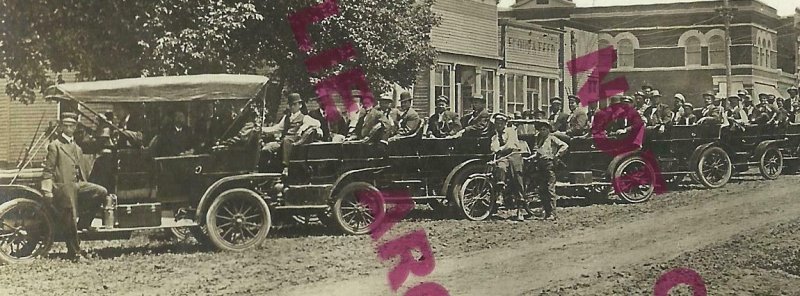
{"x":694,"y":53}
{"x":601,"y":44}
{"x":543,"y":2}
{"x":716,"y":50}
{"x":625,"y":53}
{"x":768,"y":50}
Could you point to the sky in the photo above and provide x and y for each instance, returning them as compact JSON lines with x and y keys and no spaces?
{"x":784,"y":7}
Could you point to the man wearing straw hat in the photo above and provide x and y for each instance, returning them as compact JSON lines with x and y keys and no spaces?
{"x":64,"y":180}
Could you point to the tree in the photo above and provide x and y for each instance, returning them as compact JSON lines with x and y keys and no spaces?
{"x":130,"y":38}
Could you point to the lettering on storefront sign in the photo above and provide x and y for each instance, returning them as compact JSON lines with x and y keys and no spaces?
{"x":531,"y":46}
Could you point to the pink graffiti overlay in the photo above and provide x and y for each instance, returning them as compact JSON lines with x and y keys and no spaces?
{"x":680,"y":276}
{"x":341,"y":83}
{"x":600,"y":63}
{"x":401,"y":247}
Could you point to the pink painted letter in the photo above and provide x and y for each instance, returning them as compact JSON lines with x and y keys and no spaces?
{"x":300,"y":21}
{"x":601,"y":61}
{"x":402,"y":247}
{"x":679,"y":276}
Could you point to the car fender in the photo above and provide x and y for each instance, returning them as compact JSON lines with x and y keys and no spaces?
{"x":762,"y":147}
{"x":350,"y":176}
{"x":695,"y":158}
{"x":230,"y":182}
{"x":455,"y":171}
{"x":9,"y":192}
{"x":612,"y":166}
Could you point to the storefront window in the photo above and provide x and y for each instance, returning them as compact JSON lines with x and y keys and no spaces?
{"x":441,"y":81}
{"x":532,"y":92}
{"x":487,"y":87}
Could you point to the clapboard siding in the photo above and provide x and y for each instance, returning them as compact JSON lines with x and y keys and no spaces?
{"x":468,"y":27}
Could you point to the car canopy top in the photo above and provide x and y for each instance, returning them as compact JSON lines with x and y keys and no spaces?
{"x":161,"y":89}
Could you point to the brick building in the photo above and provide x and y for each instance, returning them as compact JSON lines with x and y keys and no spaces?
{"x":679,"y":47}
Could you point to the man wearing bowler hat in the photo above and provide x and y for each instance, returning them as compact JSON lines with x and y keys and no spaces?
{"x":443,"y":123}
{"x":476,"y":124}
{"x":295,"y":127}
{"x":64,"y":180}
{"x":408,"y":123}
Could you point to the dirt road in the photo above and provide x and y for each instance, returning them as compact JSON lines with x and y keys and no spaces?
{"x":743,"y":239}
{"x":533,"y":264}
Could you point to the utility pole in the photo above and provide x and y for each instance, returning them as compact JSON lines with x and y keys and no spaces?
{"x":727,"y":15}
{"x":574,"y":57}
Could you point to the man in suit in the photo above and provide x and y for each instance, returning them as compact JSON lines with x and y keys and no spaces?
{"x":64,"y":182}
{"x":476,"y":124}
{"x":408,"y":122}
{"x":177,"y":138}
{"x":578,"y":120}
{"x":736,"y":115}
{"x":557,"y":117}
{"x":332,"y":130}
{"x":295,"y":127}
{"x":792,"y":104}
{"x":443,"y":123}
{"x":356,"y":119}
{"x":507,"y":149}
{"x":380,"y":123}
{"x":711,"y":113}
{"x":685,"y":116}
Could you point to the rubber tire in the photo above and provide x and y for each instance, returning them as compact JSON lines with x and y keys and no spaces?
{"x":216,"y":238}
{"x":347,"y":191}
{"x":48,"y":220}
{"x":763,"y":170}
{"x":492,"y":200}
{"x":703,"y":181}
{"x":618,"y":173}
{"x":458,"y":182}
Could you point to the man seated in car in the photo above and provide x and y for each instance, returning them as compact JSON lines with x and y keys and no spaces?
{"x":443,"y":123}
{"x":507,"y":149}
{"x":685,"y":116}
{"x":408,"y":122}
{"x":711,"y":113}
{"x":380,"y":123}
{"x":736,"y":115}
{"x":476,"y":124}
{"x":176,"y":138}
{"x":294,"y":128}
{"x":332,"y":130}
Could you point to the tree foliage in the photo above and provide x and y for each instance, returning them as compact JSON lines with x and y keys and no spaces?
{"x":133,"y":38}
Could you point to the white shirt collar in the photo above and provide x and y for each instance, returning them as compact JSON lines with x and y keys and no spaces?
{"x":68,"y":138}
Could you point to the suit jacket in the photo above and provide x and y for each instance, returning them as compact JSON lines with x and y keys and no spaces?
{"x":64,"y":167}
{"x":172,"y":142}
{"x":578,"y":122}
{"x":445,"y":124}
{"x":559,"y":121}
{"x":408,"y":122}
{"x":476,"y":124}
{"x":338,"y":126}
{"x":378,"y":124}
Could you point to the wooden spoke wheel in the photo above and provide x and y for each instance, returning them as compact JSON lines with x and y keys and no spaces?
{"x":358,"y":205}
{"x":238,"y":220}
{"x":770,"y":164}
{"x":477,"y":198}
{"x":714,"y":169}
{"x":634,"y":180}
{"x":26,"y":231}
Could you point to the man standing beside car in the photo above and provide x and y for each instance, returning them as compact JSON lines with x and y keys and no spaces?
{"x":64,"y":181}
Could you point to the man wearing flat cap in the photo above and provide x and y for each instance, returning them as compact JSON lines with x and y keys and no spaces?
{"x":686,"y":116}
{"x":476,"y":124}
{"x":64,"y":180}
{"x":380,"y":123}
{"x":408,"y":122}
{"x":578,"y":119}
{"x":557,"y":116}
{"x":507,"y":149}
{"x":294,"y":128}
{"x":443,"y":123}
{"x":736,"y":115}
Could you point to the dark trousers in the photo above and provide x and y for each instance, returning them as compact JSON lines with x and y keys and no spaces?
{"x":78,"y":202}
{"x":545,"y":180}
{"x":509,"y":171}
{"x":288,"y":142}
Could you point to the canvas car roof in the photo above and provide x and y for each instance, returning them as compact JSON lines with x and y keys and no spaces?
{"x":162,"y":89}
